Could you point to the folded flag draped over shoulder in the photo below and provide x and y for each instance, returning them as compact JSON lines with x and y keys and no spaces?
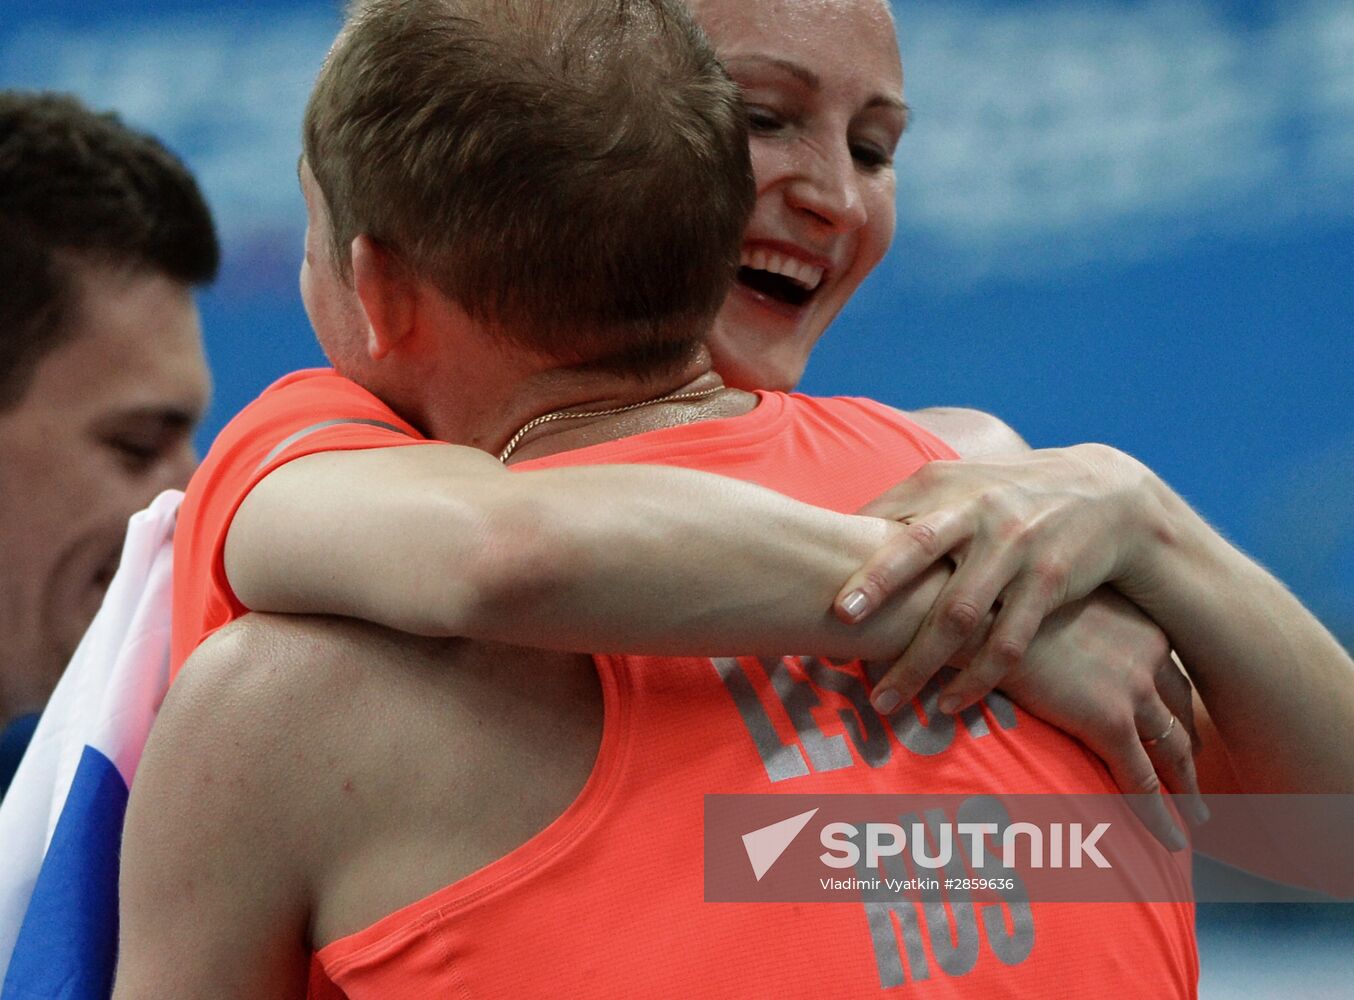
{"x":61,"y":822}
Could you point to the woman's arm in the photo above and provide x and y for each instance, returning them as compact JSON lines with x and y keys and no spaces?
{"x":442,"y":540}
{"x":1278,"y":686}
{"x":1041,"y":531}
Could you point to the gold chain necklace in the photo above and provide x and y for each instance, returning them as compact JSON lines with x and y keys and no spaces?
{"x":672,"y":397}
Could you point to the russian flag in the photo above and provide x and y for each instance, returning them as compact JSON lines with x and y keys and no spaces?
{"x":61,"y":822}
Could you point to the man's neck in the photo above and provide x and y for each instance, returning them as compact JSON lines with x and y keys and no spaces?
{"x":704,"y":397}
{"x":491,"y":404}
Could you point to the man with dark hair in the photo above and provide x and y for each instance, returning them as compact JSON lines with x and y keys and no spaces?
{"x":441,"y":818}
{"x":103,"y":237}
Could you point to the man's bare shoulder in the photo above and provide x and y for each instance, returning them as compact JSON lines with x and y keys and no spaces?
{"x":280,"y":716}
{"x":244,"y":797}
{"x":364,"y":732}
{"x":249,"y":699}
{"x":295,"y":678}
{"x":257,"y":667}
{"x":972,"y":433}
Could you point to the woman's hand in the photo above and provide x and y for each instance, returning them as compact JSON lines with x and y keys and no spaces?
{"x":1101,"y":671}
{"x":1026,"y":535}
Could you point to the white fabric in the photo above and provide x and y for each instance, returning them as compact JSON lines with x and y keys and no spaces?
{"x":107,"y":699}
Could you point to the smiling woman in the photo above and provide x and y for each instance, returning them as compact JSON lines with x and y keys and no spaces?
{"x":823,"y":87}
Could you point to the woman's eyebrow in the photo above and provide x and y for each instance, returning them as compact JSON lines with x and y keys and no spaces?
{"x":803,"y":74}
{"x":811,"y":80}
{"x":893,"y":104}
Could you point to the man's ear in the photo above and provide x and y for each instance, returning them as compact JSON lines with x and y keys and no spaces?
{"x":386,"y":293}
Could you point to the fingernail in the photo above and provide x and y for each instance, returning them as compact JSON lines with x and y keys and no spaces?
{"x":886,"y":701}
{"x":1177,"y":839}
{"x":949,"y":704}
{"x":856,"y":604}
{"x":1201,"y":813}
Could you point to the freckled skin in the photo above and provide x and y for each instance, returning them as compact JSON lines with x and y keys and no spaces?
{"x":813,"y":190}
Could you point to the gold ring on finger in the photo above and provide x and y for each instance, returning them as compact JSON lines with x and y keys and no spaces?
{"x":1157,"y":739}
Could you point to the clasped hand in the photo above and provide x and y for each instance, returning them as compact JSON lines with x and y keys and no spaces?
{"x":1035,"y":544}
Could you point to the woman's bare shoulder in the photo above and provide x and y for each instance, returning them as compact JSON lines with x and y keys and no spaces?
{"x":972,"y":433}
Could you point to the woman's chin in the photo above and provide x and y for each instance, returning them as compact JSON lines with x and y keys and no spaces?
{"x":756,"y":346}
{"x":751,"y":369}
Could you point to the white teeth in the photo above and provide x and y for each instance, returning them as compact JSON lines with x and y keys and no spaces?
{"x":805,"y":275}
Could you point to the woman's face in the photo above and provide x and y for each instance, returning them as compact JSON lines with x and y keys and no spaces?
{"x":823,"y":85}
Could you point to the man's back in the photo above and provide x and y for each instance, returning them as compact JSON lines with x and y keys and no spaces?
{"x":415,"y":778}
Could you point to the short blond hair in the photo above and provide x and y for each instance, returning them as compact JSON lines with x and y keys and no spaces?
{"x":574,"y":173}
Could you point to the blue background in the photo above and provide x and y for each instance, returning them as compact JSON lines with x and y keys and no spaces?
{"x":1123,"y":222}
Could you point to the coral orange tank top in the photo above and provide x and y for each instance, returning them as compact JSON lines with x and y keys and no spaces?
{"x":608,"y":901}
